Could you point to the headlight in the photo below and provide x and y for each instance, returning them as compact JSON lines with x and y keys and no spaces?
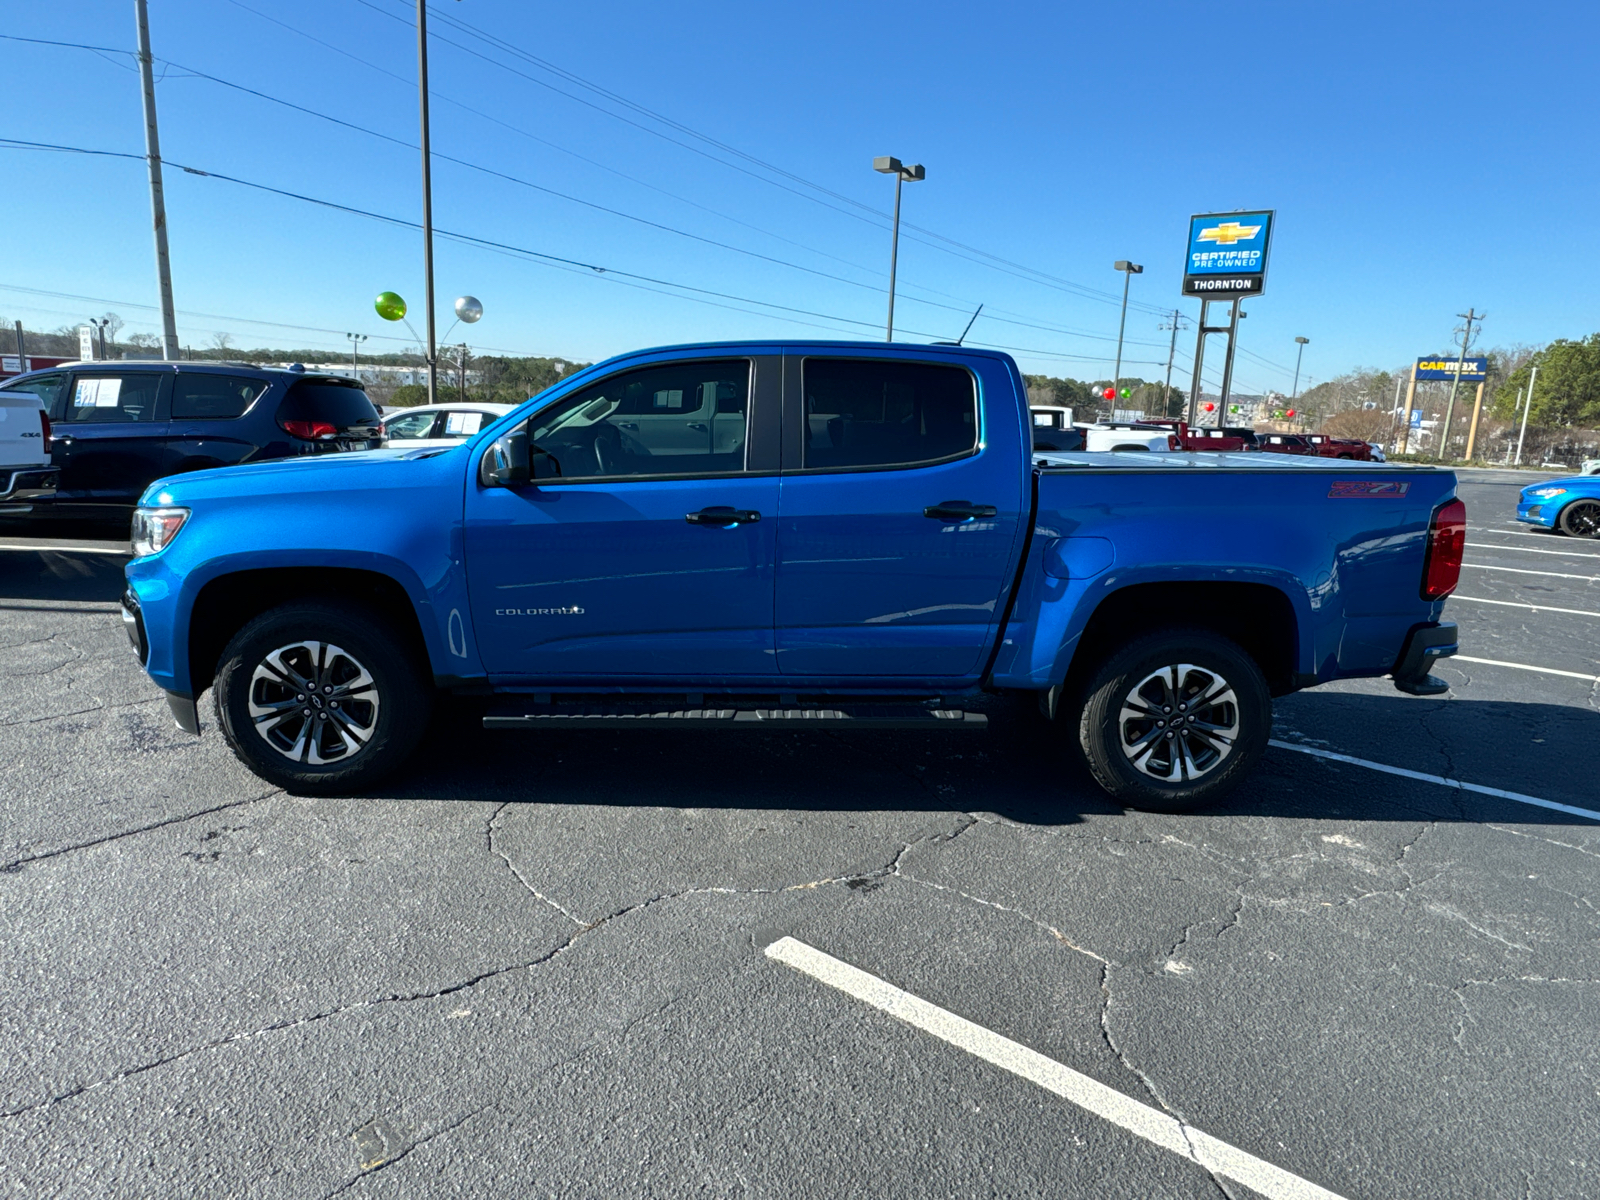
{"x":1544,"y":491}
{"x":154,"y":528}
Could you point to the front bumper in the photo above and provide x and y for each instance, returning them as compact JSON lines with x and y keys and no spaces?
{"x":1542,"y":510}
{"x":1425,"y":645}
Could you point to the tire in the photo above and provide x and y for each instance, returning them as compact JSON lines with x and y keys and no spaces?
{"x":1174,"y":774}
{"x":1581,"y":518}
{"x":369,"y":717}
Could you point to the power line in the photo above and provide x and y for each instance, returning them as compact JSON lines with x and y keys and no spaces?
{"x":879,"y":219}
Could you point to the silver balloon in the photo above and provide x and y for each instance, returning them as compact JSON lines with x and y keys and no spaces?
{"x":469,"y":309}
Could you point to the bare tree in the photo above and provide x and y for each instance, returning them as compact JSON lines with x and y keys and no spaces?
{"x":222,"y":342}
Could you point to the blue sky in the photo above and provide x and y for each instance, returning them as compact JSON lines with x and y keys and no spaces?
{"x":1421,"y":158}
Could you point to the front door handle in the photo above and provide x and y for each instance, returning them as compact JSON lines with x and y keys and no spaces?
{"x":721,"y":517}
{"x":697,"y":425}
{"x":958,"y":510}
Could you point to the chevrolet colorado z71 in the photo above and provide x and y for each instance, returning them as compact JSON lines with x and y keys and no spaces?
{"x":760,"y":536}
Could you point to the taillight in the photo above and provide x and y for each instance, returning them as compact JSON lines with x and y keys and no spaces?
{"x":1173,"y":443}
{"x":1447,"y":540}
{"x":309,"y":429}
{"x":44,"y":424}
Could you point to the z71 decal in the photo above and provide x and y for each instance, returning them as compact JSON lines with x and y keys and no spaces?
{"x":1365,"y":489}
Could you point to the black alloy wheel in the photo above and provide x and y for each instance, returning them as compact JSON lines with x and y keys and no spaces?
{"x":320,"y":697}
{"x":1174,"y":720}
{"x":1581,"y":518}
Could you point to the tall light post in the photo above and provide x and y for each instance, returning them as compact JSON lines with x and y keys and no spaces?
{"x":1129,"y":270}
{"x":427,"y":198}
{"x":1298,"y":354}
{"x":355,"y":342}
{"x":902,"y":174}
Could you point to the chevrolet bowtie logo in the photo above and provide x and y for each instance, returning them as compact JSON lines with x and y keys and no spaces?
{"x":1229,"y":232}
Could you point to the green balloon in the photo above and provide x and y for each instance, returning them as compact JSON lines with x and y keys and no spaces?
{"x":389,"y":305}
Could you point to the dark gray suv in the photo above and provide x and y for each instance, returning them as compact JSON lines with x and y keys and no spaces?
{"x":117,"y":426}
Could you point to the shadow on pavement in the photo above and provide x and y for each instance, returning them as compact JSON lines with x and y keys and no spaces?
{"x":45,"y":575}
{"x":1025,"y":769}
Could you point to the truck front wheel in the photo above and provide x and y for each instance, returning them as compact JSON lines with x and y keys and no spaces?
{"x":1175,"y":720}
{"x":320,"y":697}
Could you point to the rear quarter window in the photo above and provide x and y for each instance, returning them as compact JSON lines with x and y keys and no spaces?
{"x":337,"y":404}
{"x":214,"y":397}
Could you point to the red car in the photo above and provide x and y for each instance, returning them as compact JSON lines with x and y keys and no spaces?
{"x":1194,"y":437}
{"x":1286,"y":443}
{"x":1332,"y":447}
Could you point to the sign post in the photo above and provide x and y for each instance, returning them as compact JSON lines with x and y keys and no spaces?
{"x":1456,"y":370}
{"x":1227,"y":260}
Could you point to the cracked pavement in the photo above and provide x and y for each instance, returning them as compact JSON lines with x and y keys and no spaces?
{"x":532,"y":965}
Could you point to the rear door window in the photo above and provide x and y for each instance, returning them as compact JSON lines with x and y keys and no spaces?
{"x":106,"y":398}
{"x":462,"y":424}
{"x":336,"y":404}
{"x":866,"y":414}
{"x":214,"y":397}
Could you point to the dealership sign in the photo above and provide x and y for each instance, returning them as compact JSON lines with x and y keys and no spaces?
{"x":1227,"y":254}
{"x":1473,"y":370}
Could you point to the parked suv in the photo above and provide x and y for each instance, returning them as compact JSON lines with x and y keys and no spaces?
{"x":116,"y":426}
{"x":25,"y":471}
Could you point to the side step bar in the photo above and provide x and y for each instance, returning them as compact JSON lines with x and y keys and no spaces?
{"x":861,"y":716}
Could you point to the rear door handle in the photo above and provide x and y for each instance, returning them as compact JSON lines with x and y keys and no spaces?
{"x":958,"y":510}
{"x":723,"y":518}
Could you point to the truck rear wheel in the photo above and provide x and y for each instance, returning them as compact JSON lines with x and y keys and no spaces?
{"x":320,"y":698}
{"x":1175,"y":720}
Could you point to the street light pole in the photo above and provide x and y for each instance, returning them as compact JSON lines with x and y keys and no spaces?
{"x":355,"y":341}
{"x":158,"y":202}
{"x":1526,"y":409}
{"x":427,"y":197}
{"x":886,"y":165}
{"x":1297,"y":356}
{"x":1129,"y":270}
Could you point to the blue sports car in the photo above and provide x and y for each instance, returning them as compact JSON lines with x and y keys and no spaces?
{"x":1571,"y":505}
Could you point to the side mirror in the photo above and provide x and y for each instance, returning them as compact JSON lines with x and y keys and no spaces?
{"x":505,"y":462}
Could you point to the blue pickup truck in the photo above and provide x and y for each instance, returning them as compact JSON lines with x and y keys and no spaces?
{"x":771,"y":536}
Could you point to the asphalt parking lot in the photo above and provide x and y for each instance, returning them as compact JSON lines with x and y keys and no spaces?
{"x":555,"y":966}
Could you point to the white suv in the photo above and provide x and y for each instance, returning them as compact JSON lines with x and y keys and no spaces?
{"x":25,"y":471}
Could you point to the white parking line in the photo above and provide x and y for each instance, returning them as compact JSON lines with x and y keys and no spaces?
{"x":1525,"y":571}
{"x":1530,"y":550}
{"x":1439,"y":779}
{"x":1495,"y":662}
{"x":64,"y":549}
{"x":1107,"y":1103}
{"x":1573,"y":612}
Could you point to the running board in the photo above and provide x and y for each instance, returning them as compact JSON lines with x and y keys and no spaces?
{"x":860,"y":716}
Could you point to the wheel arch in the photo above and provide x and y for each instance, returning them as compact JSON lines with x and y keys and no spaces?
{"x":1259,"y":617}
{"x":225,"y":604}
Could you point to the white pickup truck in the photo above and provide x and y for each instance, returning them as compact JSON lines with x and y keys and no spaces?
{"x":25,"y":471}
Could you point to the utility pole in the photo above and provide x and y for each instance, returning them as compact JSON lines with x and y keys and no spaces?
{"x":1526,"y":409}
{"x":22,"y":354}
{"x":427,"y":197}
{"x":1172,"y":350}
{"x":462,"y":373}
{"x":1469,"y":317}
{"x":158,"y":203}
